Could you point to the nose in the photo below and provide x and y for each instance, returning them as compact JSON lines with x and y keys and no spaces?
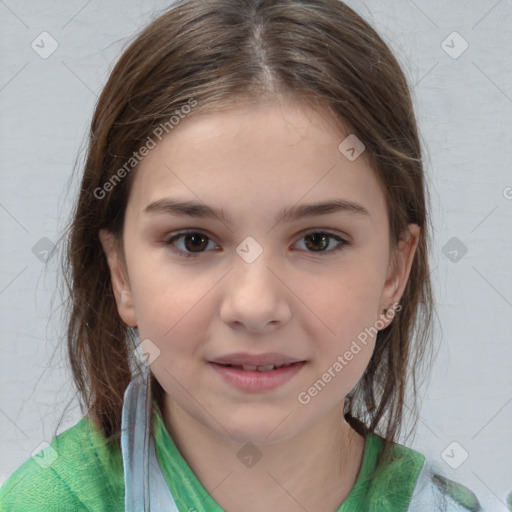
{"x":255,"y":296}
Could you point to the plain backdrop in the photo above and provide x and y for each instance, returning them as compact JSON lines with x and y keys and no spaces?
{"x":456,"y":55}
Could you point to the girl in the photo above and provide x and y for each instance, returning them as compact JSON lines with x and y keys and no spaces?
{"x":248,"y":274}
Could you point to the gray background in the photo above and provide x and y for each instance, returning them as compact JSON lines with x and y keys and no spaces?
{"x":464,"y":107}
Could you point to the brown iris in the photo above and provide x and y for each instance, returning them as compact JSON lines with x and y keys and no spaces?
{"x":316,"y":238}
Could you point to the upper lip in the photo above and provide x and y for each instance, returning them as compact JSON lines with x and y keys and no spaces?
{"x":244,"y":359}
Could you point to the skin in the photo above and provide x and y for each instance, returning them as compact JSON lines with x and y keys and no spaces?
{"x":252,"y":161}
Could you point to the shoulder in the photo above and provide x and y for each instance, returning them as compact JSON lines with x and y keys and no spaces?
{"x":77,"y":471}
{"x":434,"y":492}
{"x":408,"y":481}
{"x":391,"y":483}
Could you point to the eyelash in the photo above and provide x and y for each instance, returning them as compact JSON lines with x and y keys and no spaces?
{"x":170,"y":242}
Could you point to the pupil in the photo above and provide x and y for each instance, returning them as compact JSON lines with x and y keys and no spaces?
{"x":196,"y":238}
{"x":318,"y":238}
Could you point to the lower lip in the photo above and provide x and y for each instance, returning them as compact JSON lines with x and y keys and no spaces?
{"x":256,"y":381}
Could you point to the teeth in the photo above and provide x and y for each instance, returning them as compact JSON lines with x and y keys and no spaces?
{"x":262,"y":368}
{"x":265,"y":368}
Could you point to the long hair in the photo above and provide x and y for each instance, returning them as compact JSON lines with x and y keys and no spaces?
{"x":216,"y":53}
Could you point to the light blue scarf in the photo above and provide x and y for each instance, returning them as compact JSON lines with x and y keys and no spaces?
{"x":145,"y":487}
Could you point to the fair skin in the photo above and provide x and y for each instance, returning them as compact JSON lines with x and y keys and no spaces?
{"x":297,"y":297}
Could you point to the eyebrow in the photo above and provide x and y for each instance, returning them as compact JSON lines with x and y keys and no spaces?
{"x":195,"y":209}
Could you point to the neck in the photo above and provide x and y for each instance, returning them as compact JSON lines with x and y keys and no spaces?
{"x":313,"y":470}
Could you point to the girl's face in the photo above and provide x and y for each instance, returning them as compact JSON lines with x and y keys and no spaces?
{"x":273,"y":282}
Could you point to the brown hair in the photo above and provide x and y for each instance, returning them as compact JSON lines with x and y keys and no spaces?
{"x":218,"y":52}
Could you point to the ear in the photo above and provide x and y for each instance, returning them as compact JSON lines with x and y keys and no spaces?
{"x":119,"y":277}
{"x":398,"y":273}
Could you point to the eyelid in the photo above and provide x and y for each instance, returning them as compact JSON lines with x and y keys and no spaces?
{"x":308,"y":231}
{"x":329,"y":231}
{"x":176,"y":234}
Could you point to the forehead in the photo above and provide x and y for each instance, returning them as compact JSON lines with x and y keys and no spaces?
{"x":254,"y":157}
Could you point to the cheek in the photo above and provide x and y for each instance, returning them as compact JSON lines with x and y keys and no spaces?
{"x":344,"y":324}
{"x":170,"y":306}
{"x":343,"y":303}
{"x":172,"y":315}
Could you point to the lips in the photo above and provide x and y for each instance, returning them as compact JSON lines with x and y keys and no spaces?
{"x":257,"y":378}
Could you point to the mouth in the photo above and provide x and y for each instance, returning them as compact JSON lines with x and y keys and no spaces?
{"x":257,"y":378}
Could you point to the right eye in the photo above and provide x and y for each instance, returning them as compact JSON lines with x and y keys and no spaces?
{"x":192,"y":240}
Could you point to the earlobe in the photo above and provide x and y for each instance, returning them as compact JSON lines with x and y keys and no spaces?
{"x":118,"y":277}
{"x":399,"y":271}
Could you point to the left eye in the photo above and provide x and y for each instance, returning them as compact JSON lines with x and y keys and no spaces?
{"x":196,"y":242}
{"x":322,"y":239}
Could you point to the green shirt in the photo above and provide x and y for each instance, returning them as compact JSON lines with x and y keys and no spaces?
{"x":87,"y":475}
